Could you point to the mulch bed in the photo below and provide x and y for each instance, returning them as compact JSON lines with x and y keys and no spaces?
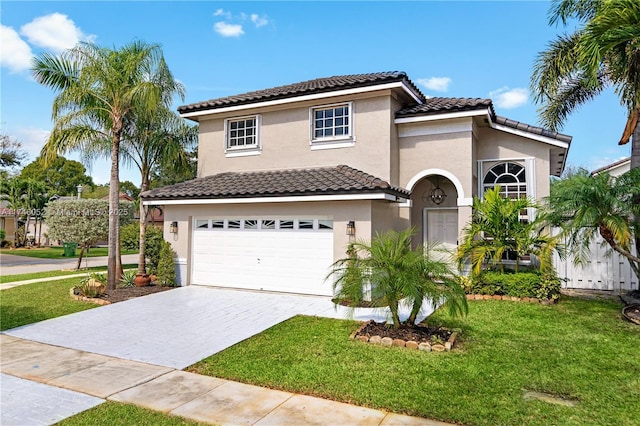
{"x":416,"y":333}
{"x":126,"y":293}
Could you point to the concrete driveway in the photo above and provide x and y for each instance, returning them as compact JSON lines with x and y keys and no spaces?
{"x":174,"y":328}
{"x":180,"y":327}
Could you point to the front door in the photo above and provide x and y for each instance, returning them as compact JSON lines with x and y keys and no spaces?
{"x":441,"y":226}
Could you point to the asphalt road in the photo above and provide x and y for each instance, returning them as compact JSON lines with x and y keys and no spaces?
{"x":12,"y":264}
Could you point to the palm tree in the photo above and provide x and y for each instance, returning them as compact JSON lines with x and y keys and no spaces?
{"x":604,"y":51}
{"x":495,"y":231}
{"x":153,"y":140}
{"x":388,"y":271}
{"x":99,"y":90}
{"x":586,"y":206}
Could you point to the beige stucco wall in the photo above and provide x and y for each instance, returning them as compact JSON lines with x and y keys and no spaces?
{"x":7,"y":224}
{"x":363,"y":212}
{"x":285,"y":139}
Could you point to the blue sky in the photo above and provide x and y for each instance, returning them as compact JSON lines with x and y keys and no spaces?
{"x":458,"y":49}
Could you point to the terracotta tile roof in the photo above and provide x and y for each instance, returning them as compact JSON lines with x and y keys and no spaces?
{"x":278,"y":183}
{"x":442,"y":105}
{"x":532,"y":129}
{"x":318,"y":85}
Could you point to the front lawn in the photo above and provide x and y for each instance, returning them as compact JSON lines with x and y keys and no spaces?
{"x":35,"y":275}
{"x":58,"y":252}
{"x":31,"y":303}
{"x":577,"y":349}
{"x":114,"y":413}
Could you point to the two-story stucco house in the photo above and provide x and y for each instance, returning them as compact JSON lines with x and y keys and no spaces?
{"x":288,"y":176}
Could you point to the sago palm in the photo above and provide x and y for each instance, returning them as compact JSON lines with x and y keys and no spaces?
{"x":99,"y":90}
{"x":388,"y":272}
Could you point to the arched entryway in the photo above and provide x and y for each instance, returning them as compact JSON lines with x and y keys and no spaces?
{"x":434,"y":210}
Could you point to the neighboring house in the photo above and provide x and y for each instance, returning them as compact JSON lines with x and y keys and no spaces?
{"x":7,"y":221}
{"x":288,"y":176}
{"x":606,"y":270}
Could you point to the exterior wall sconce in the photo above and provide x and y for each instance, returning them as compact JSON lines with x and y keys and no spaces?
{"x":173,"y":228}
{"x":351,"y":228}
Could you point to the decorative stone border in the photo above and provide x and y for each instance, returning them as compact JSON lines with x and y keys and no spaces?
{"x":88,"y":299}
{"x":511,"y":299}
{"x":388,"y":341}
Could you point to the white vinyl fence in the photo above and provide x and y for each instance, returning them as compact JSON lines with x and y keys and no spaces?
{"x":604,"y":271}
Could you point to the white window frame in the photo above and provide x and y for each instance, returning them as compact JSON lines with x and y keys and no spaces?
{"x":527,"y":164}
{"x":329,"y":142}
{"x":244,"y":150}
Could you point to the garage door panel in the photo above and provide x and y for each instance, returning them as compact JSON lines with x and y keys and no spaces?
{"x":278,"y":260}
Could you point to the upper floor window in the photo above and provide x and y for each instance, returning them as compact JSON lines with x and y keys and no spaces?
{"x":242,"y":133}
{"x":331,"y":122}
{"x":512,"y":179}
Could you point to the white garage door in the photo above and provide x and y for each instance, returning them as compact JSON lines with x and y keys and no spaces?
{"x":291,"y":255}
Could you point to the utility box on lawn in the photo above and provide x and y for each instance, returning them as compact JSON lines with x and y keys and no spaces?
{"x":69,"y":249}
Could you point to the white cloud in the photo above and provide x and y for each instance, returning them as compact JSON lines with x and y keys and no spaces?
{"x":16,"y":53}
{"x":55,"y":31}
{"x":32,"y":139}
{"x":222,"y":12}
{"x":510,"y":98}
{"x":439,"y":84}
{"x":259,"y":21}
{"x":228,"y":30}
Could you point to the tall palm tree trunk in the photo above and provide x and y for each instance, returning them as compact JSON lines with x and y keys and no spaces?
{"x":113,"y":266}
{"x":635,"y":147}
{"x":143,"y":227}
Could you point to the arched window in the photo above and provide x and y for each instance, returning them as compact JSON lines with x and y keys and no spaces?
{"x":510,"y":176}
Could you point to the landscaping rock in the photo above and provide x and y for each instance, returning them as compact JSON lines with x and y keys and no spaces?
{"x":411,"y":344}
{"x":387,"y":341}
{"x":534,"y":300}
{"x":376,"y":340}
{"x":515,"y":299}
{"x":438,"y":348}
{"x":478,"y":297}
{"x":399,"y":343}
{"x":496,"y":297}
{"x":470,"y":296}
{"x":363,"y":338}
{"x":424,"y":347}
{"x":486,"y":297}
{"x":448,"y":346}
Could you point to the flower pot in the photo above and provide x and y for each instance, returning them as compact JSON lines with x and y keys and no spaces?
{"x":142,"y":280}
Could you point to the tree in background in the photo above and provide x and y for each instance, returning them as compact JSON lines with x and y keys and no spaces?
{"x":130,"y":188}
{"x":603,"y":51}
{"x":11,"y":152}
{"x":98,"y":92}
{"x":60,"y":175}
{"x":165,"y":174}
{"x":82,"y":221}
{"x":585,"y":206}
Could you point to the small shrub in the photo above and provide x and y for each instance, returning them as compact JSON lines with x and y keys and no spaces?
{"x":128,"y":279}
{"x":516,"y":284}
{"x":130,"y":236}
{"x":166,"y":268}
{"x":154,"y":240}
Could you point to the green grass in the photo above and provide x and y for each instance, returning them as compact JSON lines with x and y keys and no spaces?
{"x":114,"y":414}
{"x":57,"y":252}
{"x":34,"y":275}
{"x":37,"y":302}
{"x":578,"y":349}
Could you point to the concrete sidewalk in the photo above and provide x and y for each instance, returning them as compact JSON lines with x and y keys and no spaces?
{"x":12,"y":284}
{"x":60,"y":382}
